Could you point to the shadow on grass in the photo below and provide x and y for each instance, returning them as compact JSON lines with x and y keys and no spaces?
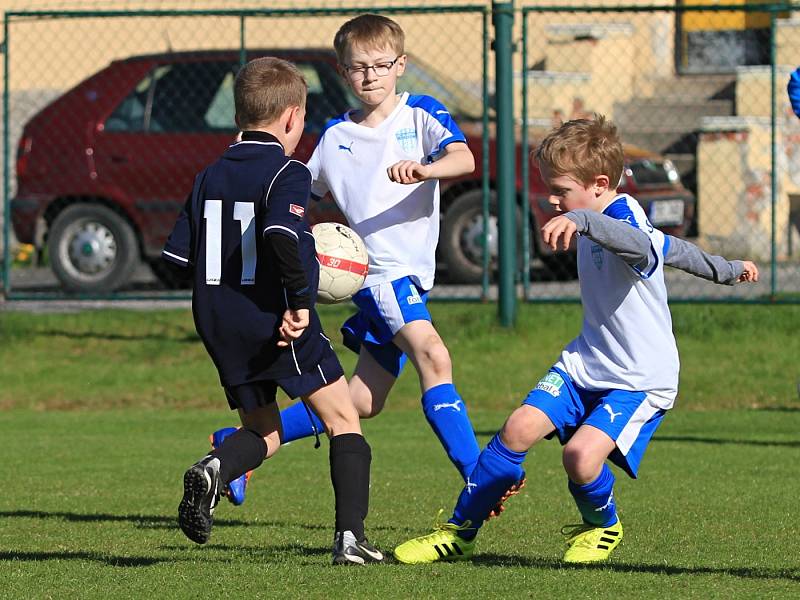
{"x":181,"y":337}
{"x":112,"y":561}
{"x":736,"y":442}
{"x":500,"y":560}
{"x":139,"y":521}
{"x":695,"y":439}
{"x":168,"y":522}
{"x":256,"y":553}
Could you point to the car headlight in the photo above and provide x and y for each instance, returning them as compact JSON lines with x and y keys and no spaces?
{"x":672,"y":172}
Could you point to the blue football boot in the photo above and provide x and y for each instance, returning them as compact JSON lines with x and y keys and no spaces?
{"x":235,"y":490}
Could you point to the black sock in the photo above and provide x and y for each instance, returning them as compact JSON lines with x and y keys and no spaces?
{"x":350,"y":457}
{"x":242,"y":451}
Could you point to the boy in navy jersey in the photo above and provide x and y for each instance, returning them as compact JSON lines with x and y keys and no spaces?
{"x":611,"y":386}
{"x":243,"y":234}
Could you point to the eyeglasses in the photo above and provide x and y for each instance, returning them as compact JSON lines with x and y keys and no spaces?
{"x":381,"y":69}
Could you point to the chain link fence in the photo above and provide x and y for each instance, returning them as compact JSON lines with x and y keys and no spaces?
{"x":104,"y":164}
{"x":699,"y":96}
{"x":97,"y":168}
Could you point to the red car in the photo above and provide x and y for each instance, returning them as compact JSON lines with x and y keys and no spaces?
{"x":103,"y":170}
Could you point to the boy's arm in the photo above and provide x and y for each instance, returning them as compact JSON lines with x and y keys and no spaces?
{"x":455,"y":160}
{"x":685,"y":256}
{"x":630,"y":243}
{"x":286,"y":202}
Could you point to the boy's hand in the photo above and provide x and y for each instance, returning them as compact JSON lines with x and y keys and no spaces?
{"x":408,"y":171}
{"x":556,"y":228}
{"x":293,"y":325}
{"x":750,"y":272}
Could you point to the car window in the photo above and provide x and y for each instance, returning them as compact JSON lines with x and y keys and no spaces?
{"x":650,"y":172}
{"x":198,"y":97}
{"x":221,"y":110}
{"x":187,"y":97}
{"x":129,"y":115}
{"x":327,"y":94}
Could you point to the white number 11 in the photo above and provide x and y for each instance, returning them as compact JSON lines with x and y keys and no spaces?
{"x":244,"y":212}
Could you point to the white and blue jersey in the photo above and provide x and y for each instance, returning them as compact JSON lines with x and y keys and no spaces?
{"x":399,"y":223}
{"x":620,"y":375}
{"x":626,"y":341}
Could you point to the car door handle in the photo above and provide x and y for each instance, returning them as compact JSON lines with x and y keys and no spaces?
{"x":115,"y":158}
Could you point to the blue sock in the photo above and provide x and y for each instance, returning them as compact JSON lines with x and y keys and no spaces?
{"x":447,"y":415}
{"x":595,"y":499}
{"x":297,"y":424}
{"x":497,"y":470}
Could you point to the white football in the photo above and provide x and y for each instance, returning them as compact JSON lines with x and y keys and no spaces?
{"x":342,"y":262}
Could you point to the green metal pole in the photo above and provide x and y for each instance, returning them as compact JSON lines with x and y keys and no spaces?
{"x":6,"y":168}
{"x":485,"y":160}
{"x":773,"y":159}
{"x":242,"y":43}
{"x":525,"y":168}
{"x":503,"y":18}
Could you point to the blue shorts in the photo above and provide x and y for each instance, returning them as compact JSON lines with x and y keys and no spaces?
{"x":382,"y":311}
{"x":627,"y":417}
{"x":256,"y":394}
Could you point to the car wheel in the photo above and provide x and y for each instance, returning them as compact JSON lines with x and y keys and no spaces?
{"x":92,"y":249}
{"x":462,"y":237}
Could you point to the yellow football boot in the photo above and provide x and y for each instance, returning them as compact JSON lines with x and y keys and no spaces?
{"x":589,"y":544}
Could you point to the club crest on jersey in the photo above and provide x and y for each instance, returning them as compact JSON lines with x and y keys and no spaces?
{"x":597,"y":256}
{"x":297,"y":210}
{"x":551,"y":383}
{"x":407,"y":139}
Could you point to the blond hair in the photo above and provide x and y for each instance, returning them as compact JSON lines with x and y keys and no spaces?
{"x":264,"y":88}
{"x":370,"y":30}
{"x":584,"y":149}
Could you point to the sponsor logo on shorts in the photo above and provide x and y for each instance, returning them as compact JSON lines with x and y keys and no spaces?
{"x":414,"y":298}
{"x":552,"y":384}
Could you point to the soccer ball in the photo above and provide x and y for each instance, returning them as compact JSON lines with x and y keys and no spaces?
{"x":342,"y":262}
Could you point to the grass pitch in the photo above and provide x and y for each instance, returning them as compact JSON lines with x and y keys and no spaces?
{"x":104,"y":412}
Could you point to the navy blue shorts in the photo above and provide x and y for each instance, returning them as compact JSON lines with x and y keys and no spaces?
{"x":251,"y":396}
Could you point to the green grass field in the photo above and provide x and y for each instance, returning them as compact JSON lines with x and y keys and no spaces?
{"x":103,"y":411}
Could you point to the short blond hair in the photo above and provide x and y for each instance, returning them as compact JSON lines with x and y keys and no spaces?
{"x":370,"y":30}
{"x":584,"y":149}
{"x":264,"y":88}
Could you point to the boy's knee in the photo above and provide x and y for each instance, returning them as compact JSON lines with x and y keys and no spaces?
{"x":520,"y":430}
{"x":581,"y":464}
{"x":435,"y":356}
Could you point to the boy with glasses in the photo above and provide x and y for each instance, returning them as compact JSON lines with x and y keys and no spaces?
{"x":382,"y":164}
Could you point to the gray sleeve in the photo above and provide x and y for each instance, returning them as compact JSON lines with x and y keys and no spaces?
{"x":686,"y":256}
{"x":630,"y":243}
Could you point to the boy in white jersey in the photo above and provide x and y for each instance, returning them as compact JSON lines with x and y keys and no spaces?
{"x":608,"y":392}
{"x":382,"y":164}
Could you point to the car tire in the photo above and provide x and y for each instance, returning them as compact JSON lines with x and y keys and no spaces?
{"x":460,"y":242}
{"x":92,"y":249}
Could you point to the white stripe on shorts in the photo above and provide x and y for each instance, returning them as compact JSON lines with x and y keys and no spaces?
{"x":627,"y":437}
{"x":389,"y":306}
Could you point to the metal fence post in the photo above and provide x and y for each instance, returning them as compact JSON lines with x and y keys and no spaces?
{"x":6,"y":168}
{"x":503,"y":18}
{"x":773,"y":158}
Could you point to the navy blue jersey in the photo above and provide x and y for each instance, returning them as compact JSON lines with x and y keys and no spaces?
{"x":238,"y":299}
